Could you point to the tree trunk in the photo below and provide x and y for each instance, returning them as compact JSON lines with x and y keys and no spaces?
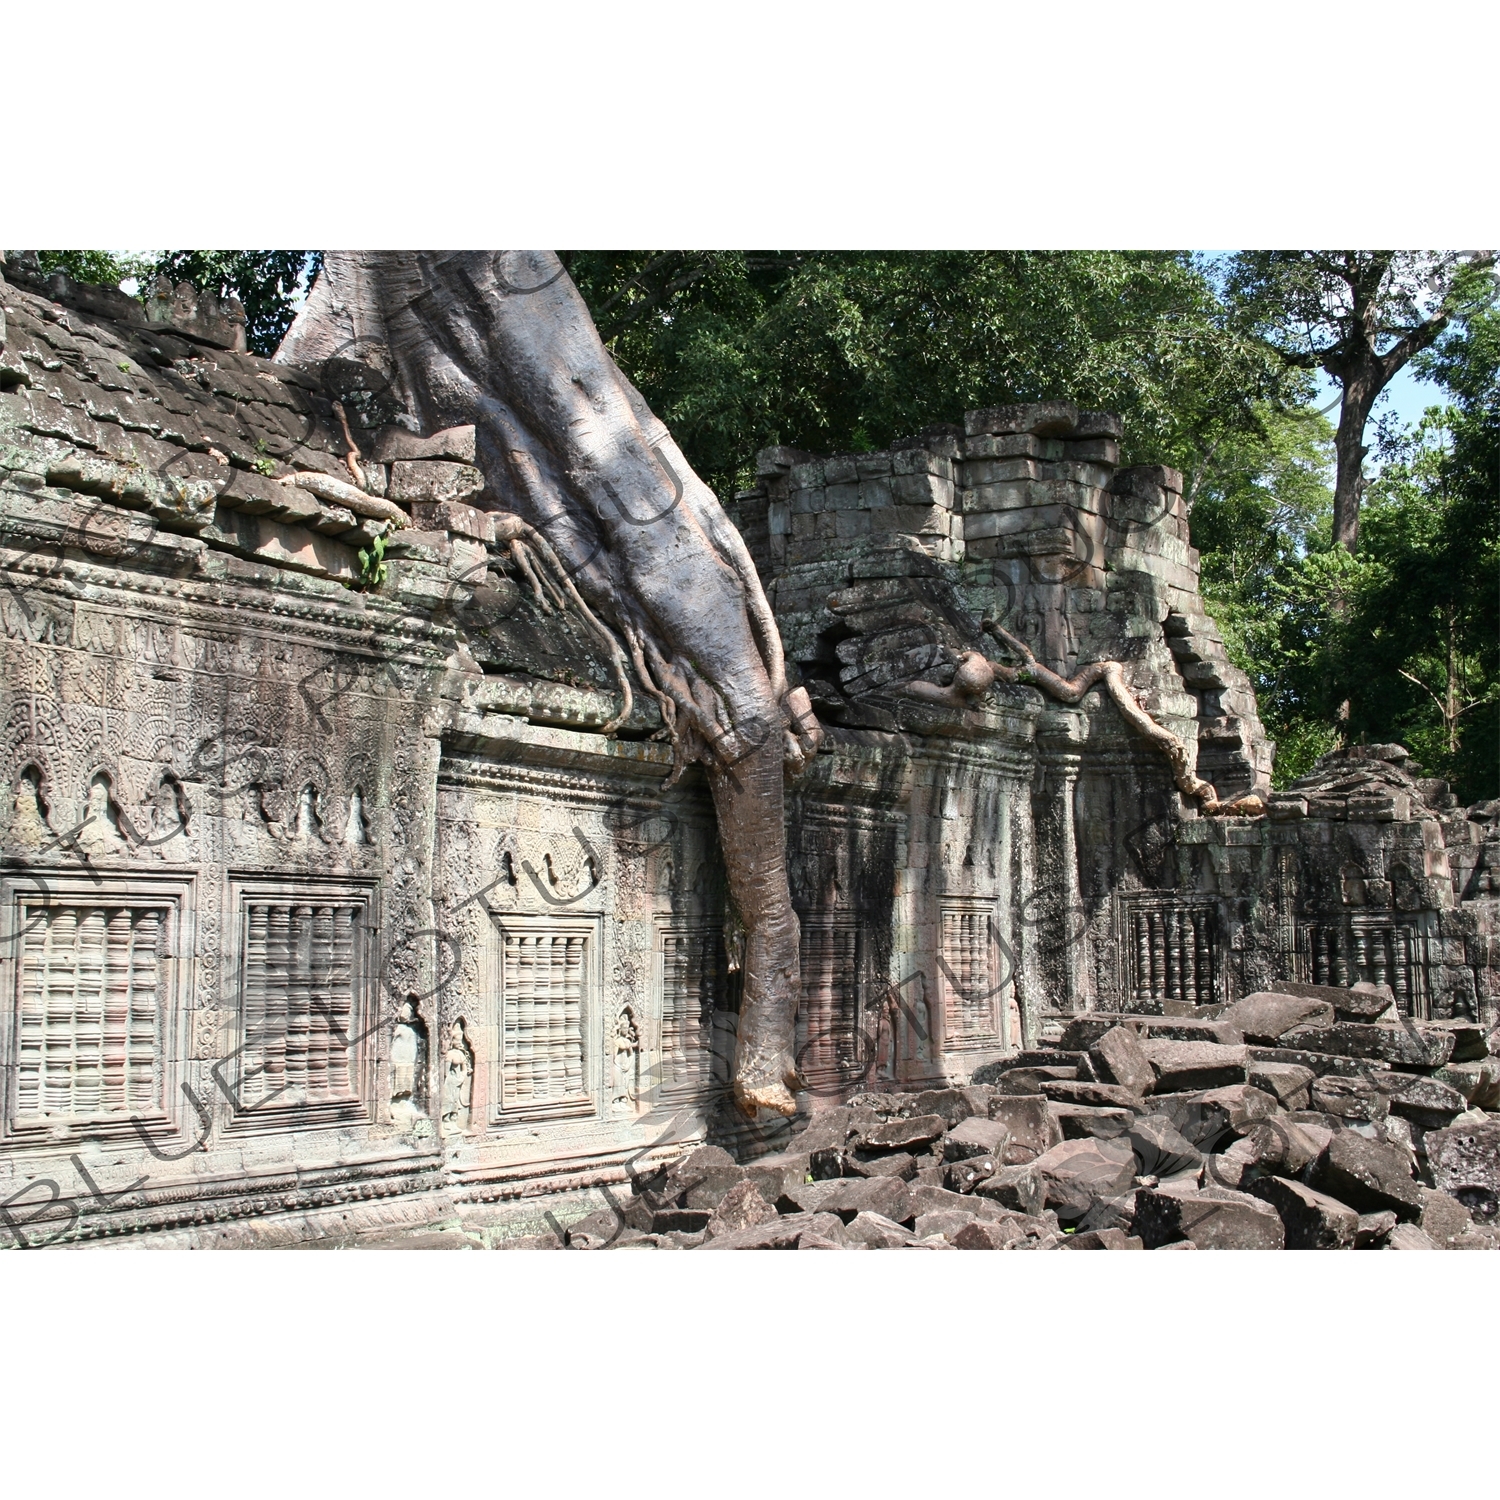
{"x":503,"y":340}
{"x":1361,"y":387}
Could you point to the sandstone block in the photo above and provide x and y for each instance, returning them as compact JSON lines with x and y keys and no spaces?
{"x":1119,"y":1058}
{"x":1312,"y":1220}
{"x":1266,"y":1017}
{"x":1195,"y":1065}
{"x":1369,"y":1176}
{"x":1032,"y":1128}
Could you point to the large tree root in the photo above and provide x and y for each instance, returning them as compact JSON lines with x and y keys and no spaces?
{"x":976,"y":675}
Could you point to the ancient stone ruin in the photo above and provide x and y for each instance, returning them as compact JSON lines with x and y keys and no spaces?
{"x":354,"y":882}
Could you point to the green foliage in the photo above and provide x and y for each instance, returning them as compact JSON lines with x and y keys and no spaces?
{"x":95,"y":267}
{"x":267,"y":283}
{"x":846,"y":350}
{"x":373,"y":568}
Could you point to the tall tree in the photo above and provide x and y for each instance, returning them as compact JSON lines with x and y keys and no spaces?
{"x":1360,"y":316}
{"x":841,"y":351}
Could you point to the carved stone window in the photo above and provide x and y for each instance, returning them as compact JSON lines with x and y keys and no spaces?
{"x":693,"y":982}
{"x":305,"y":1005}
{"x":1171,"y":945}
{"x":968,"y":975}
{"x":1373,"y":949}
{"x":547,"y":1009}
{"x":93,"y":988}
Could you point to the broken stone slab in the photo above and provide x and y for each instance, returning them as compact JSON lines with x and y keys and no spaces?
{"x":1118,"y":1058}
{"x":1195,"y":1065}
{"x":808,"y":1240}
{"x":1471,"y":1041}
{"x":1034,"y":1080}
{"x":1443,"y":1217}
{"x":1161,"y":1150}
{"x":1284,"y":1148}
{"x":1213,"y":1218}
{"x":692,"y":1169}
{"x":1265,"y":1017}
{"x":742,"y":1207}
{"x":1348,"y":1004}
{"x":1464,"y":1160}
{"x":926,"y":1198}
{"x":901,"y":1134}
{"x":1430,"y":1103}
{"x":1312,"y":1220}
{"x":831,"y":1128}
{"x":900,"y":1164}
{"x":1030,"y":1123}
{"x":1191,"y":1029}
{"x":595,"y":1231}
{"x":1410,"y":1237}
{"x":1210,"y":1118}
{"x":964,"y":1176}
{"x":1320,"y":1064}
{"x":1083,"y":1032}
{"x":889,"y":1106}
{"x":953,"y":1105}
{"x":1478,"y":1082}
{"x":1104,"y":1121}
{"x":1077,"y":1174}
{"x":1367,"y":1175}
{"x":848,"y":1196}
{"x":680,"y":1220}
{"x":1018,"y":1188}
{"x":774,"y":1174}
{"x":981,"y":1235}
{"x":1288,"y":1083}
{"x":1097,"y":1095}
{"x":876,"y":1232}
{"x":778,"y":1234}
{"x":944,"y":1221}
{"x":1374,"y":1230}
{"x":976,"y":1137}
{"x":1349,"y":1098}
{"x":1101,"y":1239}
{"x":1411,"y":1044}
{"x":711,"y":1189}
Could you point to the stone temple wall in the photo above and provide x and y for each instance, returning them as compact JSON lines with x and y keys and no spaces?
{"x":321,"y":892}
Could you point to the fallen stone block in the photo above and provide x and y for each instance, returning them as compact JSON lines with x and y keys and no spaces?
{"x":1320,"y":1064}
{"x":1367,"y":1175}
{"x":900,"y":1164}
{"x":964,"y":1176}
{"x":975,"y":1137}
{"x":1464,"y":1160}
{"x":1287,"y":1083}
{"x":1242,"y":1103}
{"x":711,"y":1189}
{"x":778,"y":1234}
{"x":1195,"y":1065}
{"x":694,"y":1168}
{"x":1374,"y":1230}
{"x":1032,"y":1080}
{"x":1031,"y":1126}
{"x":774,"y":1174}
{"x":831,"y":1128}
{"x":848,"y":1196}
{"x":810,"y":1240}
{"x":1410,"y":1044}
{"x":876,"y":1232}
{"x":1348,"y":1099}
{"x":901,"y":1134}
{"x":595,"y":1231}
{"x":1443,"y":1217}
{"x":1471,"y":1041}
{"x":742,"y":1207}
{"x":954,"y":1105}
{"x":986,"y":1236}
{"x":1213,"y":1219}
{"x":1478,"y":1082}
{"x":944,"y":1221}
{"x":1076,"y":1174}
{"x":1191,"y":1029}
{"x":1364,"y":1004}
{"x":1284,"y":1148}
{"x":1019,"y":1188}
{"x":1076,"y":1121}
{"x":1118,"y":1058}
{"x":1161,"y":1150}
{"x":681,"y":1220}
{"x":926,"y":1199}
{"x":1107,"y":1095}
{"x":1410,"y":1237}
{"x":1312,"y":1220}
{"x":1431,"y":1104}
{"x":1083,"y":1032}
{"x":1101,"y":1239}
{"x":1265,"y":1016}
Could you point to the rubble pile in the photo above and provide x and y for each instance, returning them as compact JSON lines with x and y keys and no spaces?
{"x":1312,"y":1118}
